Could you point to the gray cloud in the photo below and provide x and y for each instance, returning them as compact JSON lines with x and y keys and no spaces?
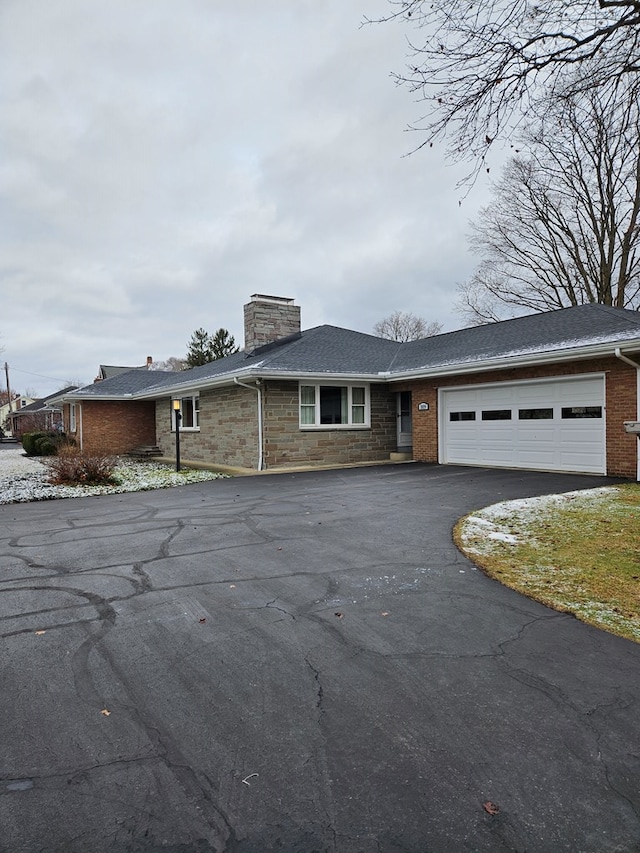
{"x":162,"y":163}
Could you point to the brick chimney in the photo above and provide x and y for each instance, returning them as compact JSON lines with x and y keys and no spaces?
{"x":267,"y":318}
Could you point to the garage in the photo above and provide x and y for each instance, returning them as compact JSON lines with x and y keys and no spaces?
{"x":550,"y":425}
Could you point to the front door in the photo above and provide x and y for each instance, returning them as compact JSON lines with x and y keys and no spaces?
{"x":403,"y":417}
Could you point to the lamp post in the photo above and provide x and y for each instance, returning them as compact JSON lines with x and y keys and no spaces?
{"x":178,"y":417}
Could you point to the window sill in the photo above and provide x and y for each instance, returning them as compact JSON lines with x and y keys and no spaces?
{"x":326,"y":427}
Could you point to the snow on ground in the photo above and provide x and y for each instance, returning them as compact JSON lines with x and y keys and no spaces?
{"x":24,"y":478}
{"x":510,"y":520}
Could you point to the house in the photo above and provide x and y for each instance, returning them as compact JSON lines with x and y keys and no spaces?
{"x":106,"y":371}
{"x":548,"y":391}
{"x":38,"y":415}
{"x":18,"y":401}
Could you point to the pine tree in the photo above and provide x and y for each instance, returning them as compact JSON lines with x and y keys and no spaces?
{"x":204,"y":347}
{"x":200,"y":349}
{"x":223,"y":344}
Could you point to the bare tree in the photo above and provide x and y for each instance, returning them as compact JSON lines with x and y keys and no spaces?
{"x":474,"y":64}
{"x":171,"y":363}
{"x":404,"y":326}
{"x":564,"y":225}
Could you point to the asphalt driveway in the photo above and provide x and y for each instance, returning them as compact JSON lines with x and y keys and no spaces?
{"x":301,"y":662}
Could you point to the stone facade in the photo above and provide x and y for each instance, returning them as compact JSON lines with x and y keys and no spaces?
{"x":620,"y":403}
{"x":286,"y":444}
{"x":267,"y":318}
{"x":228,"y":432}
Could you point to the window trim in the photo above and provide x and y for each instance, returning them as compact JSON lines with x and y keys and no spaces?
{"x":350,"y":405}
{"x":195,"y":403}
{"x":73,"y":418}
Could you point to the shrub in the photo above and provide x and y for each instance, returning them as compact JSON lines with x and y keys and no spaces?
{"x":29,"y":442}
{"x":41,"y":443}
{"x":73,"y":467}
{"x":44,"y":445}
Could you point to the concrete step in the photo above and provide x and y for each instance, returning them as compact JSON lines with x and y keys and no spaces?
{"x":147,"y":451}
{"x":400,"y":457}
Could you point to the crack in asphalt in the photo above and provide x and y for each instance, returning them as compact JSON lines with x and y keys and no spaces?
{"x":344,"y":638}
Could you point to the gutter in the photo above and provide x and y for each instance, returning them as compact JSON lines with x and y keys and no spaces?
{"x":619,"y":354}
{"x":258,"y":390}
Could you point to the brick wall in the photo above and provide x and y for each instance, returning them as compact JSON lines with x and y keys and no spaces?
{"x":112,"y":427}
{"x":620,"y":404}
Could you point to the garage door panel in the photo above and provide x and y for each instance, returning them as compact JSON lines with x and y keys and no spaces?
{"x":537,"y":435}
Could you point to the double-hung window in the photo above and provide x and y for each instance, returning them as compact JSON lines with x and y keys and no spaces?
{"x":334,"y":406}
{"x":190,"y":411}
{"x":73,"y":423}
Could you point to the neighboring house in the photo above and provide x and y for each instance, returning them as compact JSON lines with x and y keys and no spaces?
{"x":18,"y":402}
{"x":548,"y":391}
{"x":39,"y":415}
{"x":108,"y":371}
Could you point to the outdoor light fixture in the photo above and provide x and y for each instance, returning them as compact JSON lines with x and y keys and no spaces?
{"x":178,"y":416}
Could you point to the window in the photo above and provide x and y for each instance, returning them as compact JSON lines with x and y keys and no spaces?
{"x":334,"y":406}
{"x":571,"y":412}
{"x":535,"y":414}
{"x":73,"y":425}
{"x":190,"y":411}
{"x":462,"y":416}
{"x":497,"y":415}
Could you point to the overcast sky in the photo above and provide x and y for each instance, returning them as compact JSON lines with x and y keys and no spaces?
{"x":161,"y":161}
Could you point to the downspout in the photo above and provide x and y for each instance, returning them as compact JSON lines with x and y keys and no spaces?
{"x":80,"y":424}
{"x":258,"y":390}
{"x":619,"y":354}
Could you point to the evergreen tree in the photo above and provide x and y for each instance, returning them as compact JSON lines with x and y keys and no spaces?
{"x":204,"y":347}
{"x":223,"y":344}
{"x":199,"y":351}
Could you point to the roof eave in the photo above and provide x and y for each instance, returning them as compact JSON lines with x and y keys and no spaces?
{"x":599,"y":350}
{"x":255,"y":373}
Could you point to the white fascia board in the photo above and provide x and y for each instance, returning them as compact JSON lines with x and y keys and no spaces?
{"x":512,"y":361}
{"x":297,"y":375}
{"x":254,"y":373}
{"x":186,"y":389}
{"x":86,"y":398}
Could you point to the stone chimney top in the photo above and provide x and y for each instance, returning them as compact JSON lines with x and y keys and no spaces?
{"x":268,"y":318}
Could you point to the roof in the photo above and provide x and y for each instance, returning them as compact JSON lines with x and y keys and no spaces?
{"x":41,"y":404}
{"x":107,"y":371}
{"x":535,"y":334}
{"x":331,"y":352}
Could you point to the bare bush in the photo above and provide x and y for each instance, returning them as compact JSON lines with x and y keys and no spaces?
{"x":73,"y":467}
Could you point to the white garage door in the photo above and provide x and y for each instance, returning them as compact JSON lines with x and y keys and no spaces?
{"x":554,"y":425}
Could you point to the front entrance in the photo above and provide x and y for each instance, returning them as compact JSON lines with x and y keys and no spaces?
{"x":403,"y":418}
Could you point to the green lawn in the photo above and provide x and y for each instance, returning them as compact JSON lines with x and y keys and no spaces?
{"x":579,"y":553}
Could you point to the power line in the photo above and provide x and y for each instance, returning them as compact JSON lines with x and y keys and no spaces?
{"x":39,"y":375}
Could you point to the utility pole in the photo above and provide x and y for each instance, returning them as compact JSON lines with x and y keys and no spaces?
{"x":6,"y":371}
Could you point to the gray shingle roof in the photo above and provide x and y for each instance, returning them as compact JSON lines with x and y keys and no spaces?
{"x":566,"y":328}
{"x":41,"y":404}
{"x":131,"y":382}
{"x":331,"y":350}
